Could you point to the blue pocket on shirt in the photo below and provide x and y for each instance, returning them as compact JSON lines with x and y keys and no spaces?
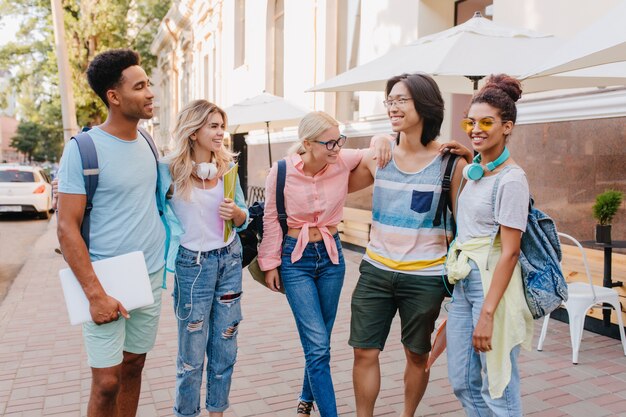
{"x":421,"y":201}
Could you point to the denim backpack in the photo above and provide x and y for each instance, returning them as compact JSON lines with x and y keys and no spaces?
{"x":540,"y":260}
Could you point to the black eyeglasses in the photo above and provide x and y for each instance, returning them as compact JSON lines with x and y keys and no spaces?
{"x":330,"y":145}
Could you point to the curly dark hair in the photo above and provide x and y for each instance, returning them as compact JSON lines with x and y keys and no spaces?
{"x":426,"y":99}
{"x":105,"y":70}
{"x":500,"y":91}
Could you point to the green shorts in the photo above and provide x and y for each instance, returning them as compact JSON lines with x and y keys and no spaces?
{"x":379,"y":294}
{"x":106,"y":343}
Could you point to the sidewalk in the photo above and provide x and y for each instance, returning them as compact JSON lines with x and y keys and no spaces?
{"x":43,"y":367}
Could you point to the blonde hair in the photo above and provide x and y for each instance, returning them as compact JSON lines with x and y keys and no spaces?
{"x":311,"y":127}
{"x":189,"y":120}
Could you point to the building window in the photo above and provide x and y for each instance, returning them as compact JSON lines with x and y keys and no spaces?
{"x":207,"y":76}
{"x":279,"y":47}
{"x":187,"y":79}
{"x":240,"y":32}
{"x":464,"y":9}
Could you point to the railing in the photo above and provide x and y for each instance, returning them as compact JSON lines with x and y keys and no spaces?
{"x":255,"y":194}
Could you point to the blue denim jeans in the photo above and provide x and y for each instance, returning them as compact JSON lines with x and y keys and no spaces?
{"x":207,"y":304}
{"x":467,"y":370}
{"x":313,"y":286}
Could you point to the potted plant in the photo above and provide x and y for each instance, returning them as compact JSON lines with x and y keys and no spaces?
{"x":604,"y":210}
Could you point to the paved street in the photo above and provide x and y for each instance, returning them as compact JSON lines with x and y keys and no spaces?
{"x":43,"y":368}
{"x":18,"y":233}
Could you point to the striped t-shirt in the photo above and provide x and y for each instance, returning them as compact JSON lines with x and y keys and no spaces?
{"x":403,"y":237}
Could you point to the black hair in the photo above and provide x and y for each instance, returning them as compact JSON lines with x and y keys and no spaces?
{"x":426,"y":99}
{"x":105,"y":70}
{"x":500,"y":91}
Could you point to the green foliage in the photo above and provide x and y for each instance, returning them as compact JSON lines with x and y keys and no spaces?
{"x":606,"y":206}
{"x":38,"y":142}
{"x":27,"y":138}
{"x":91,"y":26}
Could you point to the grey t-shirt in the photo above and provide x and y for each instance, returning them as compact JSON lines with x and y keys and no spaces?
{"x":475,"y":207}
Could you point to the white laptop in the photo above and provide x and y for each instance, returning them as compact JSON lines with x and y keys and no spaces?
{"x":123,"y":277}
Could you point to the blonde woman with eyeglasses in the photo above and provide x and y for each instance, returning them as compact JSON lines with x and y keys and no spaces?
{"x":310,"y":257}
{"x":207,"y":266}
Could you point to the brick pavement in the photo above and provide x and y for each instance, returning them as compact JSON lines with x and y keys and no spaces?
{"x":43,"y":368}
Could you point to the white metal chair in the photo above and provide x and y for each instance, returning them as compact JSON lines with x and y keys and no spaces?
{"x":582,"y":297}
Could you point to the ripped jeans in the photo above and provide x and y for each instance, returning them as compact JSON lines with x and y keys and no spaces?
{"x":207,"y":304}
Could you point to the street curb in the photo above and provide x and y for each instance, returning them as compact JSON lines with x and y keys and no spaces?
{"x":41,"y":256}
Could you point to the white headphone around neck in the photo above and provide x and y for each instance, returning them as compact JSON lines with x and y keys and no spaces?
{"x":206,"y":170}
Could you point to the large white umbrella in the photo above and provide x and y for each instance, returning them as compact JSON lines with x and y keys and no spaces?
{"x":461,"y":56}
{"x":258,"y":112}
{"x":603,"y":42}
{"x":457,"y":58}
{"x":598,"y":76}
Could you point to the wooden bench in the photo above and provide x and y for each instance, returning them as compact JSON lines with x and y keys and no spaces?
{"x":574,"y":271}
{"x":355,"y":226}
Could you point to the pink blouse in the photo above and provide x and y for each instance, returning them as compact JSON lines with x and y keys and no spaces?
{"x":315,"y":201}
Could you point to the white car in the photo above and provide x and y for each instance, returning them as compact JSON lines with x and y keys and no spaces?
{"x":25,"y":189}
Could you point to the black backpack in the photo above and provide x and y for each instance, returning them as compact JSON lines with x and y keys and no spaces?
{"x":252,"y":235}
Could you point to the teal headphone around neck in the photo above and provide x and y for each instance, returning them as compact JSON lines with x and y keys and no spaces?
{"x":475,"y":171}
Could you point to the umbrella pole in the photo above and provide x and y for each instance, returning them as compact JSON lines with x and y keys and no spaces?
{"x":475,"y":79}
{"x":269,"y":147}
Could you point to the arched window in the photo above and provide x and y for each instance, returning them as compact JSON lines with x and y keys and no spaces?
{"x":276,"y":47}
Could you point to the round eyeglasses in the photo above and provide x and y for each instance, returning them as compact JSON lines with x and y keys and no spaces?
{"x":330,"y":144}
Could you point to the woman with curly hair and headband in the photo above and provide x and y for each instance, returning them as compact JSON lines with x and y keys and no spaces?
{"x":207,"y":266}
{"x":489,"y":319}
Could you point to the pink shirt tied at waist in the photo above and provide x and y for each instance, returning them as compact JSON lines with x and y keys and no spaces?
{"x":309,"y":202}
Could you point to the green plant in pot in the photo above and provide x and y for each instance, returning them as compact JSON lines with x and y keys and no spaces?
{"x":605,"y":208}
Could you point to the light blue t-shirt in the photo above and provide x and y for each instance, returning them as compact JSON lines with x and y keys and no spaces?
{"x":124,"y":217}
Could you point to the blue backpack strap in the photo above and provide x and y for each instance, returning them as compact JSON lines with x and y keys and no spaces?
{"x":91,"y":170}
{"x":280,"y":195}
{"x":143,"y":132}
{"x":150,"y":141}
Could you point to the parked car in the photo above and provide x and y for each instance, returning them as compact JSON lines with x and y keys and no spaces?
{"x":25,"y":189}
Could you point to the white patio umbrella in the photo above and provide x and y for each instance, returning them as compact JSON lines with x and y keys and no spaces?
{"x":457,"y":58}
{"x":259,"y":111}
{"x":598,"y":76}
{"x":603,"y":42}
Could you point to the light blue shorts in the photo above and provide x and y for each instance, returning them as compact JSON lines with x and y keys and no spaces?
{"x":106,"y":343}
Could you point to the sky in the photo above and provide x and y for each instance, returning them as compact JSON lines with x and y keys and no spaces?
{"x":8,"y":27}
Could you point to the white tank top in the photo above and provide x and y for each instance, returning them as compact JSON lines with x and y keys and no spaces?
{"x":199,"y":216}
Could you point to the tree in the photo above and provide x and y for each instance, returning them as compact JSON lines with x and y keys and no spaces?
{"x":91,"y":26}
{"x":27,"y":138}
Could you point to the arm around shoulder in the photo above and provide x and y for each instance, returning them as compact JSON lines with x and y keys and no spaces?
{"x":363,"y":175}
